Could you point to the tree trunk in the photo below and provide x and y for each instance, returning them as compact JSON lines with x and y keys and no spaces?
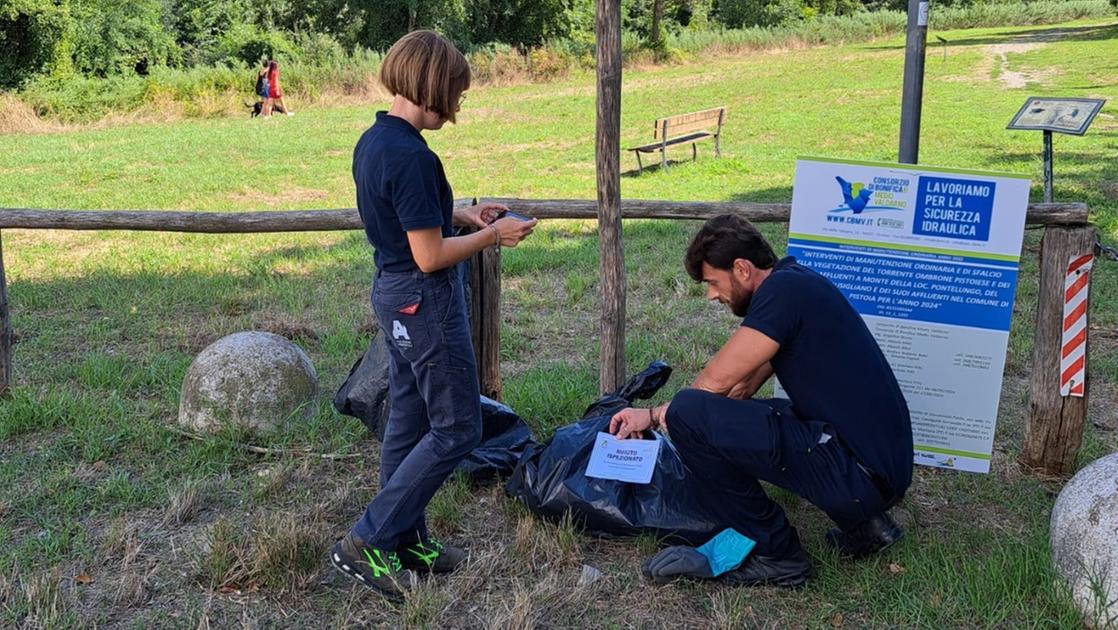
{"x":657,"y":19}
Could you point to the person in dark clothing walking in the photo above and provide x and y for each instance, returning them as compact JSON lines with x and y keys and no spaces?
{"x":843,"y":439}
{"x":407,"y":209}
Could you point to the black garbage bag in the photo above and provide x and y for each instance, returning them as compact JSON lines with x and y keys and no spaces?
{"x":364,"y":394}
{"x":550,"y":479}
{"x":504,"y":437}
{"x":641,"y":387}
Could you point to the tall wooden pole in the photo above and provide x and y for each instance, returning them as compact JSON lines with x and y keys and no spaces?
{"x":1055,"y":422}
{"x":608,"y":152}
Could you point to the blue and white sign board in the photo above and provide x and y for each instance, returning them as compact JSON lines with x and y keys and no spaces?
{"x":929,"y":258}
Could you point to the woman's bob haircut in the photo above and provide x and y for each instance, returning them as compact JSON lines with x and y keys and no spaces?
{"x":425,"y":68}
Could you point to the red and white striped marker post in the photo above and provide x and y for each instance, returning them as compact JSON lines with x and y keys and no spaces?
{"x":1073,"y":350}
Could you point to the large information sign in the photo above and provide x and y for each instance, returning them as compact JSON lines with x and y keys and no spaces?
{"x":929,"y":258}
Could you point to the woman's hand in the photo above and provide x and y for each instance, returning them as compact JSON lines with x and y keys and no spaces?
{"x":512,"y":231}
{"x":480,"y":215}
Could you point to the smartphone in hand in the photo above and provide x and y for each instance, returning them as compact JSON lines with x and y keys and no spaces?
{"x":513,"y":215}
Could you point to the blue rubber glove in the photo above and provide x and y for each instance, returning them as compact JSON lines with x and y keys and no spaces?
{"x":726,"y":551}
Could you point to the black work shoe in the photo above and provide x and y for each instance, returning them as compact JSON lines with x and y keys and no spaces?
{"x":790,"y":571}
{"x":867,"y":538}
{"x":375,"y":568}
{"x":431,"y":556}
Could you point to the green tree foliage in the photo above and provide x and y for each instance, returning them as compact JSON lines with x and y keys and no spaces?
{"x":385,"y":21}
{"x":518,"y":22}
{"x":199,"y":24}
{"x":249,"y":44}
{"x":113,"y":37}
{"x":36,"y":37}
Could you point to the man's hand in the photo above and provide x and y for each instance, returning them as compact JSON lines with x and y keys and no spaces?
{"x":480,"y":215}
{"x":630,"y":423}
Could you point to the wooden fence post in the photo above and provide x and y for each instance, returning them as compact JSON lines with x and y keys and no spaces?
{"x":484,"y":282}
{"x":611,"y":264}
{"x":1055,"y":422}
{"x":489,"y":353}
{"x":5,"y":332}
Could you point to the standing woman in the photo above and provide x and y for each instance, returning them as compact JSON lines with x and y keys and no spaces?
{"x":275,"y":92}
{"x":407,"y":208}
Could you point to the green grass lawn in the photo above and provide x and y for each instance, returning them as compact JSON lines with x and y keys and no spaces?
{"x":109,"y":519}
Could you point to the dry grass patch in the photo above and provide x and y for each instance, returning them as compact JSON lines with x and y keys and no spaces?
{"x":336,"y":503}
{"x":134,"y":575}
{"x":426,"y":606}
{"x":541,"y":544}
{"x":287,"y":326}
{"x":35,"y":602}
{"x":184,"y":502}
{"x":280,"y":552}
{"x":19,"y":117}
{"x":272,"y":480}
{"x":730,"y":608}
{"x":533,"y":602}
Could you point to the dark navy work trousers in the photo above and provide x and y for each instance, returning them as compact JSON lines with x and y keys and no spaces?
{"x":435,"y":419}
{"x":728,"y":445}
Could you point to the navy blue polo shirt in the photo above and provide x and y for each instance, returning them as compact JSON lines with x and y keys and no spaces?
{"x":401,"y":186}
{"x":832,"y":368}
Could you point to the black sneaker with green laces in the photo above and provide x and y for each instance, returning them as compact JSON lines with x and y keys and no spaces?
{"x":431,"y":556}
{"x":375,"y":568}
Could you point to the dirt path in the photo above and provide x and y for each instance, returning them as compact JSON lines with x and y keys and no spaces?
{"x":997,"y":55}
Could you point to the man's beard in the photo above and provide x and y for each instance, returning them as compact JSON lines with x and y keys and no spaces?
{"x":740,"y":297}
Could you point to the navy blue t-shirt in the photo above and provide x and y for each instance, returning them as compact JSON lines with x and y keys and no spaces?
{"x":401,"y":186}
{"x":832,"y":368}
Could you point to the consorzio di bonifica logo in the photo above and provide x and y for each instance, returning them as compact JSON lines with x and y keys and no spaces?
{"x":882,"y":194}
{"x":856,"y":196}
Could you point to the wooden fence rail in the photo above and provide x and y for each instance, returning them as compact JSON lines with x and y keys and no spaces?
{"x":347,"y":219}
{"x":1055,"y":423}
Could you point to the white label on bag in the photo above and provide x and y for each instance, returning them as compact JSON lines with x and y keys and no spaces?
{"x":632,"y":461}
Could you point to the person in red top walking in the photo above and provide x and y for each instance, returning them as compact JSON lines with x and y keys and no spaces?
{"x":275,"y":91}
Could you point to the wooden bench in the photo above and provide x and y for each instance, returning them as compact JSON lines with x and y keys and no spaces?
{"x":681,"y":129}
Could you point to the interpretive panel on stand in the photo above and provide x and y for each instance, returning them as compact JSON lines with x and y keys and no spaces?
{"x":929,"y":258}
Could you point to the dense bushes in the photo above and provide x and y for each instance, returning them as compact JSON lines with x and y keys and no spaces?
{"x":37,"y":37}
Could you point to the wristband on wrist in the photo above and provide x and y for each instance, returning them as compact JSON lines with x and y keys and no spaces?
{"x":652,"y":419}
{"x":496,"y":235}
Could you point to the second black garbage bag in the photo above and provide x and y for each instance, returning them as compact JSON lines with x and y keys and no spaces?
{"x":550,"y":479}
{"x":364,"y":395}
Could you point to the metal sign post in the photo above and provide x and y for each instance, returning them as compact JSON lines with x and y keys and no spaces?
{"x":913,"y":92}
{"x":1062,"y":115}
{"x":1047,"y":166}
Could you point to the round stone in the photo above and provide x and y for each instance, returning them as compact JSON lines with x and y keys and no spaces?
{"x":248,"y":380}
{"x":1084,"y":535}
